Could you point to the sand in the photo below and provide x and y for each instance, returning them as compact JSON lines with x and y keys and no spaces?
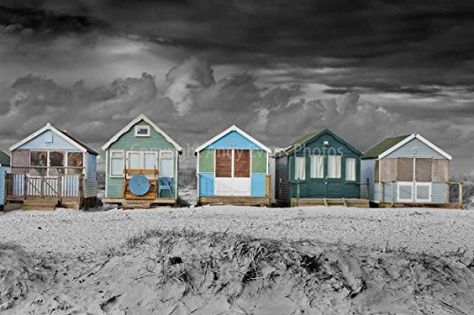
{"x":237,"y":260}
{"x":431,"y":231}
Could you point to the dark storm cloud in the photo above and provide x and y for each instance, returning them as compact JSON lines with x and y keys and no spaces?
{"x":382,"y":67}
{"x":27,"y":20}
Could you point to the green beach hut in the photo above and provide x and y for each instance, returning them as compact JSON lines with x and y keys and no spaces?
{"x":141,"y":166}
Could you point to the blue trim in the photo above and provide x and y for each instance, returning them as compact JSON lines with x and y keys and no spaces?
{"x":257,"y":185}
{"x":206,"y":184}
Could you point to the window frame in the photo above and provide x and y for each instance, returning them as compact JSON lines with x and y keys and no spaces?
{"x":429,"y":185}
{"x":142,"y":127}
{"x":112,"y":158}
{"x":312,"y":164}
{"x":412,"y":191}
{"x":338,"y":158}
{"x":355,"y":169}
{"x":161,"y":158}
{"x":301,"y":158}
{"x":141,"y":158}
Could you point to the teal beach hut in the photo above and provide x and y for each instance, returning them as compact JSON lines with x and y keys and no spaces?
{"x":318,"y":169}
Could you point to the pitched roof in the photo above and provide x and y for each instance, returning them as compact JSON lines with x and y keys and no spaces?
{"x":4,"y":158}
{"x":88,"y":148}
{"x":61,"y":134}
{"x":313,"y":136}
{"x":383,"y":146}
{"x":228,"y":130}
{"x":133,"y":123}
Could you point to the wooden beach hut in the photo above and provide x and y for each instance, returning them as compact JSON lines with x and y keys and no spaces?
{"x":51,"y":167}
{"x":318,"y":169}
{"x":141,"y":166}
{"x":4,"y":168}
{"x":408,"y":170}
{"x":232,"y":168}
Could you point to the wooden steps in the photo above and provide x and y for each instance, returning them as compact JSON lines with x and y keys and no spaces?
{"x":40,"y":204}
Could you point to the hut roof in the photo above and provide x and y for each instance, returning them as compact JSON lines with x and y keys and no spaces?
{"x":4,"y":158}
{"x":313,"y":136}
{"x":383,"y":146}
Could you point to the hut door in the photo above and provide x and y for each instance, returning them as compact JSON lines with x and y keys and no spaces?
{"x":333,"y":187}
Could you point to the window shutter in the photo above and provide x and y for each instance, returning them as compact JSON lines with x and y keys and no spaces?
{"x":405,"y":170}
{"x":223,"y":163}
{"x":242,"y":163}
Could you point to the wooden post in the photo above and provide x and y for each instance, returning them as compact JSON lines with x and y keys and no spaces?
{"x":267,"y":186}
{"x":460,"y":194}
{"x":25,"y":185}
{"x":60,"y":180}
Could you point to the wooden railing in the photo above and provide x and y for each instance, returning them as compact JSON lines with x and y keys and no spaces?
{"x":22,"y":186}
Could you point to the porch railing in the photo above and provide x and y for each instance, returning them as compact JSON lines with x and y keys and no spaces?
{"x":41,"y":182}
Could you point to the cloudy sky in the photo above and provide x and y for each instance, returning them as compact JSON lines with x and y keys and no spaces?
{"x":276,"y":68}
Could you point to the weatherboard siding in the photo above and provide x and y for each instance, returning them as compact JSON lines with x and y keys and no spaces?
{"x":408,"y":150}
{"x":367,"y":168}
{"x":40,"y":143}
{"x":3,"y":170}
{"x":439,"y":192}
{"x":90,"y":180}
{"x":233,"y":140}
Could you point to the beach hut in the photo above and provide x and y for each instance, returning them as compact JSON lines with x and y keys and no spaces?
{"x":407,"y":170}
{"x":51,"y":167}
{"x":318,"y":169}
{"x":141,"y":166}
{"x":4,"y":168}
{"x":232,"y":168}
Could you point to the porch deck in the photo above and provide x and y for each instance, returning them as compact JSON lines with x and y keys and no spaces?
{"x":346,"y":202}
{"x":235,"y":200}
{"x":140,"y":203}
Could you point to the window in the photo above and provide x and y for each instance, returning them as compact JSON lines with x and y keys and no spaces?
{"x":56,"y":160}
{"x":74,"y":162}
{"x":241,"y":163}
{"x":334,"y":166}
{"x":350,"y":169}
{"x":166,"y":164}
{"x":134,"y":160}
{"x":142,"y":131}
{"x":138,"y":160}
{"x":405,"y":191}
{"x":39,"y":159}
{"x":48,"y":137}
{"x":300,"y":166}
{"x":317,"y":166}
{"x":117,"y":163}
{"x":423,"y":192}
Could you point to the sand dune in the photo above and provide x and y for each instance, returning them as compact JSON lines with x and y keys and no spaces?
{"x":234,"y":260}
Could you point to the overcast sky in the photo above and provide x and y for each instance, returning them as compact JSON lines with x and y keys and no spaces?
{"x":278,"y":69}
